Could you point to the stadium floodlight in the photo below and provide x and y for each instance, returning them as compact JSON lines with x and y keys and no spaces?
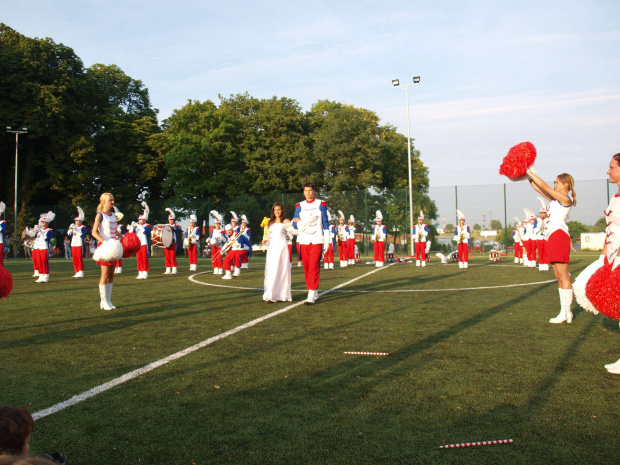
{"x":17,"y":133}
{"x":395,"y":83}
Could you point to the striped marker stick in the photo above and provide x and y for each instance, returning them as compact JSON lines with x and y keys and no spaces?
{"x":470,"y":444}
{"x":367,"y":353}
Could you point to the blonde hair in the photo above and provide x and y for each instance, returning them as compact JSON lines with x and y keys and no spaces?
{"x":103,"y":199}
{"x":567,"y":179}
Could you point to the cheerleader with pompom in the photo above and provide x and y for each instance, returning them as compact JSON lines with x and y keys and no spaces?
{"x":557,"y":236}
{"x":107,"y":253}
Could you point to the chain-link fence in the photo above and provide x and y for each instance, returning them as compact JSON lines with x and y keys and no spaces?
{"x":493,"y":206}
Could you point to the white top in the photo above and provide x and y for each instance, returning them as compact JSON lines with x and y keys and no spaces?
{"x":613,"y":231}
{"x":107,"y":227}
{"x":557,"y":217}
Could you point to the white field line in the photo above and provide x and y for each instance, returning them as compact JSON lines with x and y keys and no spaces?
{"x":151,"y":366}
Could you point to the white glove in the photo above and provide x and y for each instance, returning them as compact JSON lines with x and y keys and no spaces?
{"x":303,"y":224}
{"x":326,"y":240}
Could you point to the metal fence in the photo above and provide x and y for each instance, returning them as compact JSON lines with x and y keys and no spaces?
{"x":481,"y":204}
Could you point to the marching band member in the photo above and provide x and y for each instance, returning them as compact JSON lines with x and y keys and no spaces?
{"x":351,"y":241}
{"x":310,"y":219}
{"x":42,"y":235}
{"x":328,"y":258}
{"x":2,"y":233}
{"x":77,"y":232}
{"x":300,"y":261}
{"x":104,"y":229}
{"x":233,"y":222}
{"x":247,"y":232}
{"x":121,"y":230}
{"x":170,"y":253}
{"x":143,"y":231}
{"x":529,"y":238}
{"x":192,"y":234}
{"x":216,"y":239}
{"x":516,"y":237}
{"x":558,"y":238}
{"x":379,"y":234}
{"x":420,"y":231}
{"x":341,"y":238}
{"x":461,"y":237}
{"x":238,"y":246}
{"x":539,"y":233}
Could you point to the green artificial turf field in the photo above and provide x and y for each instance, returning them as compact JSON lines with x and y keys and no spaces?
{"x":463,"y":365}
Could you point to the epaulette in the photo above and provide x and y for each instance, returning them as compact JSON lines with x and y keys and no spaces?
{"x":323,"y":203}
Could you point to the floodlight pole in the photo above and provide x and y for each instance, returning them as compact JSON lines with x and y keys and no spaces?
{"x":17,"y":133}
{"x":396,"y":83}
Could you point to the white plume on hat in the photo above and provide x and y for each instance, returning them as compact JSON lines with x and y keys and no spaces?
{"x":172,"y":216}
{"x":192,"y":218}
{"x":460,"y":214}
{"x":235,"y":217}
{"x":48,"y":217}
{"x":216,"y":215}
{"x":329,"y":216}
{"x":543,"y":208}
{"x":351,"y":219}
{"x":518,"y":221}
{"x":379,"y":216}
{"x":340,"y":215}
{"x":244,"y":218}
{"x":529,"y":214}
{"x":2,"y":207}
{"x":145,"y":215}
{"x":421,"y":217}
{"x":80,"y":216}
{"x":118,"y":214}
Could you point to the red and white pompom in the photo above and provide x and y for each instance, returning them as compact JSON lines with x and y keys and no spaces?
{"x":603,"y":291}
{"x":579,"y":286}
{"x":131,"y":244}
{"x":518,"y":160}
{"x":6,"y":282}
{"x":109,"y":251}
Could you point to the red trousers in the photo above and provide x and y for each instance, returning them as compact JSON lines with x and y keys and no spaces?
{"x":41,"y":262}
{"x":329,"y":255}
{"x":312,"y":264}
{"x":518,"y":250}
{"x":342,"y":251}
{"x":234,"y":258}
{"x":379,"y":251}
{"x":463,"y":252}
{"x":216,"y":257}
{"x":1,"y":254}
{"x":170,"y":254}
{"x":299,"y":252}
{"x":420,"y":251}
{"x":78,"y":260}
{"x":192,"y":253}
{"x":530,"y":248}
{"x":142,"y":258}
{"x":541,"y":245}
{"x":351,"y":249}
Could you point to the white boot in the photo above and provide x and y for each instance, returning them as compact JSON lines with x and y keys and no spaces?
{"x":465,"y":264}
{"x":108,"y":293}
{"x":216,"y":271}
{"x":566,"y":299}
{"x":174,"y":270}
{"x":36,"y":274}
{"x":227,"y":275}
{"x":326,"y":266}
{"x":516,"y":260}
{"x":299,"y":264}
{"x":237,"y":272}
{"x":311,"y":298}
{"x":331,"y":266}
{"x":139,"y":275}
{"x":521,"y":261}
{"x":192,"y":268}
{"x":417,"y":263}
{"x":103,"y":305}
{"x":616,"y":364}
{"x":76,"y":275}
{"x":461,"y":265}
{"x":423,"y":263}
{"x":118,"y":270}
{"x":220,"y":271}
{"x":343,"y":264}
{"x":145,"y":275}
{"x":167,"y":270}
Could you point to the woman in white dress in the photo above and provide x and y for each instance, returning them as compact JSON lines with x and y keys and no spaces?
{"x":277,"y":265}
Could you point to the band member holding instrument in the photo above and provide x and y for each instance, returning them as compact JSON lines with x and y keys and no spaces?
{"x":558,"y":238}
{"x":216,"y":240}
{"x":192,"y":234}
{"x":235,"y":248}
{"x":170,"y":252}
{"x":516,"y":237}
{"x":461,"y":237}
{"x":143,"y":231}
{"x":121,"y":230}
{"x":379,"y":235}
{"x":529,"y":239}
{"x":341,"y":239}
{"x":540,"y":226}
{"x":2,"y":233}
{"x":40,"y":251}
{"x":351,"y":241}
{"x":310,"y":219}
{"x":77,"y":233}
{"x":420,"y":231}
{"x":104,"y":229}
{"x":247,"y":232}
{"x":328,"y":258}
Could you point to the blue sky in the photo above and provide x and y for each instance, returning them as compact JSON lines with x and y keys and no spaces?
{"x":493,"y":73}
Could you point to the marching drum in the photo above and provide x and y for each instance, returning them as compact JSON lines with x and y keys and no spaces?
{"x":162,"y":235}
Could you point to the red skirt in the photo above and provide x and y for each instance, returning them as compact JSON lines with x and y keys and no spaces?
{"x":558,"y":247}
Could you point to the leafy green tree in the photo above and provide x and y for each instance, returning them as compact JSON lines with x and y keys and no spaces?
{"x":449,"y":227}
{"x":477,"y":227}
{"x":496,"y":225}
{"x":575,"y":228}
{"x":600,"y":225}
